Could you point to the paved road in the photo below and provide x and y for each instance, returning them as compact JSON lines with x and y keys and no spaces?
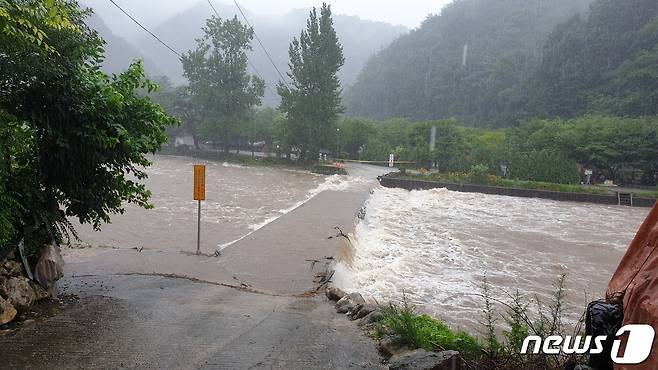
{"x":145,"y":320}
{"x":155,"y":322}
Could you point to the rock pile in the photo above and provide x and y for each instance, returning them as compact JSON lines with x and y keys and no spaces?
{"x":17,"y":292}
{"x":401,"y":356}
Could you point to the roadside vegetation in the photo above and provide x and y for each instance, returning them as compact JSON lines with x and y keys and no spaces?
{"x":72,"y":139}
{"x":505,"y":324}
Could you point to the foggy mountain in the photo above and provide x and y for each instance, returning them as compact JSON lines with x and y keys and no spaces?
{"x":471,"y":62}
{"x":119,"y":53}
{"x":360,"y":39}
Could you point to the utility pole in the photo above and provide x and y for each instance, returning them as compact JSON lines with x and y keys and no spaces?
{"x":337,"y":142}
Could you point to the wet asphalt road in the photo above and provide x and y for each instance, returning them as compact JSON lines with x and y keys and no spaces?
{"x":165,"y":323}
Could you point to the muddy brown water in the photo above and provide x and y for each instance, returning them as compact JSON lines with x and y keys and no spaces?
{"x":435,"y":246}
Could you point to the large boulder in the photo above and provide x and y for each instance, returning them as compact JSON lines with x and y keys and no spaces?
{"x":349,"y":302}
{"x":422,"y":360}
{"x":19,"y":293}
{"x":335,"y":294}
{"x":7,"y":311}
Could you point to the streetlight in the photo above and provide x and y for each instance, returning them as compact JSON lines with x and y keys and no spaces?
{"x":337,"y":140}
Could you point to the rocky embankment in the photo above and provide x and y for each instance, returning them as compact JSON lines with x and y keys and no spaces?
{"x":399,"y":356}
{"x":20,"y":289}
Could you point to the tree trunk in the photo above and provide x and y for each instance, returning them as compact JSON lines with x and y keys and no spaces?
{"x":196,"y":142}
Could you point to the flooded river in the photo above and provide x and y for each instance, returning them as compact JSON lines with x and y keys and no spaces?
{"x":238,"y":200}
{"x":436,"y":246}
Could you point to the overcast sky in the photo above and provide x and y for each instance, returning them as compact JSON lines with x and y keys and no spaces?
{"x":406,"y":12}
{"x":409,"y":13}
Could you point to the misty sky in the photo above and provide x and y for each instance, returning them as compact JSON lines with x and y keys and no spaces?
{"x":151,"y":12}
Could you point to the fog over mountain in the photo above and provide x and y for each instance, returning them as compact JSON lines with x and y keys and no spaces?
{"x":119,"y":52}
{"x":360,"y":39}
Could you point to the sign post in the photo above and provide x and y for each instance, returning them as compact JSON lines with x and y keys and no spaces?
{"x":199,"y":195}
{"x":391,"y":160}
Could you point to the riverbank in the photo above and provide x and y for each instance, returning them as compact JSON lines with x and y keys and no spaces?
{"x":260,"y":159}
{"x":597,"y":196}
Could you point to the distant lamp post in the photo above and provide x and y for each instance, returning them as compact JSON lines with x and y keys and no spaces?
{"x":337,"y":141}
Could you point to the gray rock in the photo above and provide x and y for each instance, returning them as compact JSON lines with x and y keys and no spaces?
{"x":39,"y":292}
{"x":391,"y":345}
{"x":349,"y":302}
{"x":11,"y":268}
{"x":7,"y":311}
{"x":422,"y":360}
{"x":363,"y":311}
{"x":335,"y":294}
{"x":371,"y":318}
{"x":354,"y":310}
{"x":19,"y":293}
{"x":582,"y":367}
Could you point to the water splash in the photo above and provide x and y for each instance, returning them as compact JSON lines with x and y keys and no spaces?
{"x":437,"y":245}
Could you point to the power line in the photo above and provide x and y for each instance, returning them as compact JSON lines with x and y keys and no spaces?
{"x":283,"y":79}
{"x":147,"y":30}
{"x":248,"y":60}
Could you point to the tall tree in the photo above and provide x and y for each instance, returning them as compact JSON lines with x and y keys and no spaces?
{"x":73,"y":141}
{"x":313,"y":102}
{"x":219,"y":82}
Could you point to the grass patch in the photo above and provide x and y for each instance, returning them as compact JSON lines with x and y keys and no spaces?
{"x":491,"y":350}
{"x":423,"y":331}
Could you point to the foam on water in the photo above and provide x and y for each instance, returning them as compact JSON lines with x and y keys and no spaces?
{"x":436,"y":246}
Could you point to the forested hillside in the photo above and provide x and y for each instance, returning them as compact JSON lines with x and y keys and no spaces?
{"x":607,"y":62}
{"x":474,"y":62}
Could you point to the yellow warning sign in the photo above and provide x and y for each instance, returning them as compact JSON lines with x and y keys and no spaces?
{"x":199,"y":182}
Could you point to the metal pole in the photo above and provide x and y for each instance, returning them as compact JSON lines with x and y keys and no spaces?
{"x":337,"y":142}
{"x":198,"y":231}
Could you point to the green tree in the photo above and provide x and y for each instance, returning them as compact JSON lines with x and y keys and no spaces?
{"x":354,"y":134}
{"x":450,"y":147}
{"x":177,"y":101}
{"x":261,"y":128}
{"x":219,"y":82}
{"x":29,"y":21}
{"x":313,"y":101}
{"x":73,"y":141}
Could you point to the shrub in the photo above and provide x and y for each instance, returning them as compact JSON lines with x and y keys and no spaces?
{"x":423,"y":331}
{"x":545,"y":166}
{"x":479,"y":174}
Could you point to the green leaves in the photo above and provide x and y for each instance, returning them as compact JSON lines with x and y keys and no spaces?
{"x":312,"y":101}
{"x":221,"y":89}
{"x":84,"y":135}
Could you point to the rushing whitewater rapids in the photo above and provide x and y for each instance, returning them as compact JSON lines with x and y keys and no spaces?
{"x":436,"y":246}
